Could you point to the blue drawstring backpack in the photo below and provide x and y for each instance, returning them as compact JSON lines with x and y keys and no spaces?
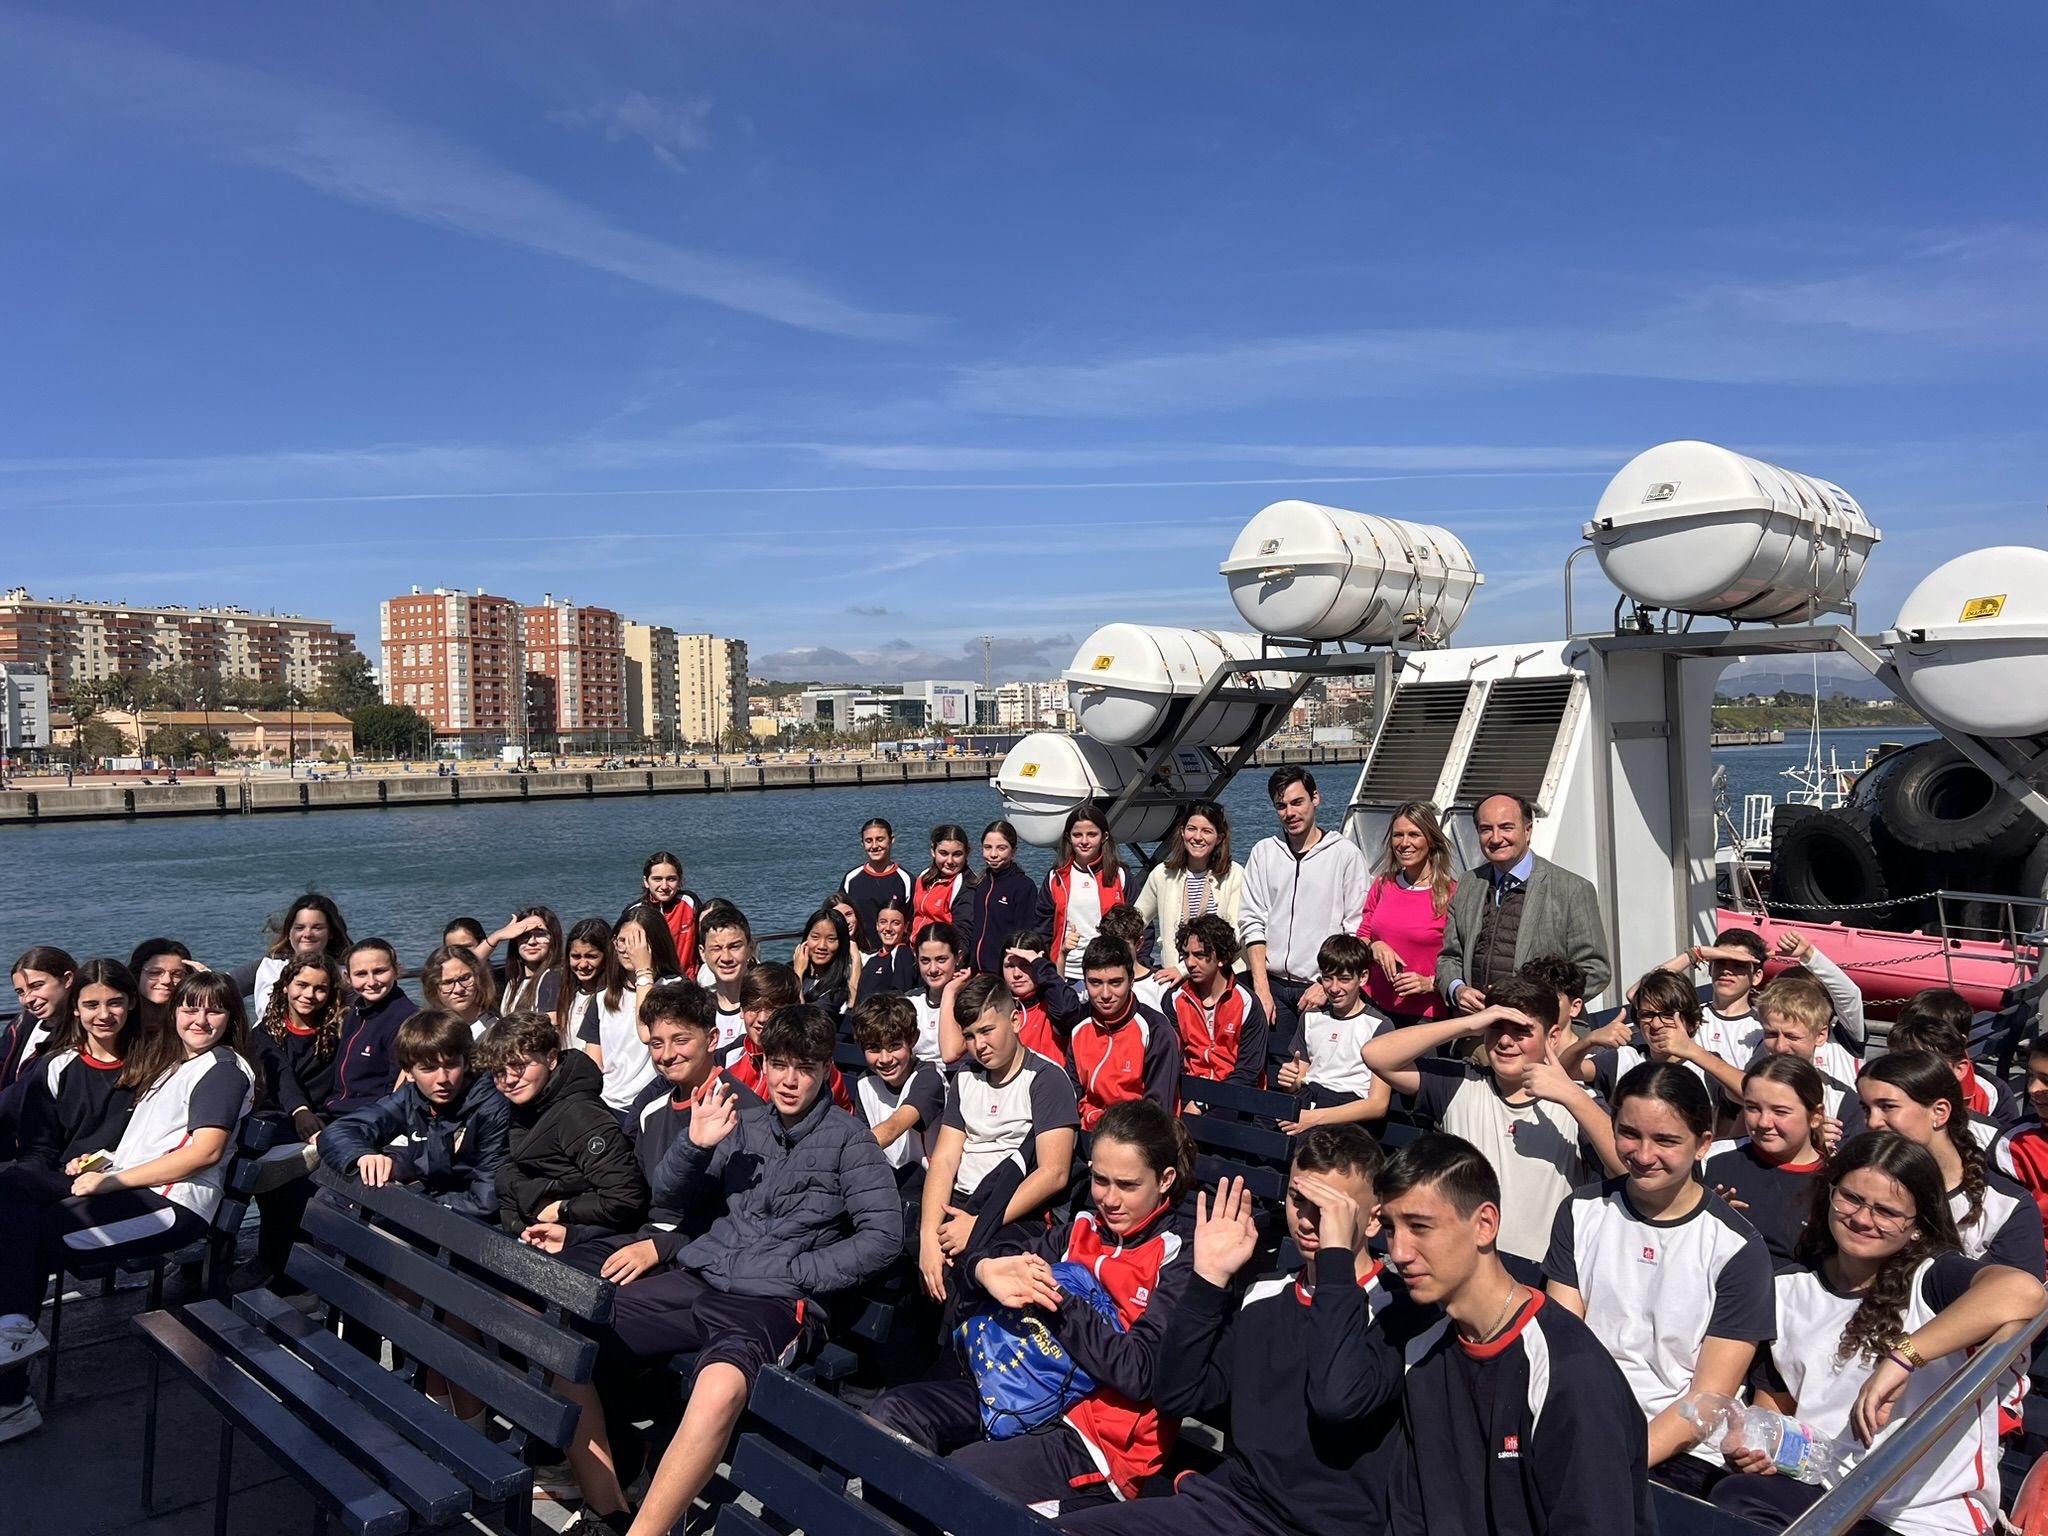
{"x":1023,"y":1377}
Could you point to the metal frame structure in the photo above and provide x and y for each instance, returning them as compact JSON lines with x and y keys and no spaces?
{"x":1226,"y":685}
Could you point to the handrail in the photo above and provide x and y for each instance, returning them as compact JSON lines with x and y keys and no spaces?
{"x":1875,"y":1475}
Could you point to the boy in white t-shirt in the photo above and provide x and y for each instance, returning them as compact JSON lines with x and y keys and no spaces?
{"x":1543,"y":1133}
{"x":899,"y":1096}
{"x":1328,"y":1068}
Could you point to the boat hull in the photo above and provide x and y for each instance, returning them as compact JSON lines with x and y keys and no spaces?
{"x":1890,"y":967}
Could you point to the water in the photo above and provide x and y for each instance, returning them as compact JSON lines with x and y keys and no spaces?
{"x":1760,"y":770}
{"x":97,"y":888}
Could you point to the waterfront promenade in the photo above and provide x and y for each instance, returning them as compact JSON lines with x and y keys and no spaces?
{"x":233,"y":795}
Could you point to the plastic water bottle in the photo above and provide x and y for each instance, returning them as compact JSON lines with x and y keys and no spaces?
{"x":1794,"y":1449}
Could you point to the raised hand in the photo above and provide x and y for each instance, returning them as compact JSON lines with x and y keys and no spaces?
{"x":1226,"y":1236}
{"x":714,"y":1115}
{"x":1021,"y":1280}
{"x":1293,"y":1073}
{"x":1338,"y":1217}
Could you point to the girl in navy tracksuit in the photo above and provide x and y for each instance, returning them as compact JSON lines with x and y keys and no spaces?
{"x":892,"y":969}
{"x":366,"y":1066}
{"x":74,"y":1102}
{"x":995,"y":903}
{"x":1112,"y":1439}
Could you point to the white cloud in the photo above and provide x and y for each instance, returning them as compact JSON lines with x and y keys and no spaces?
{"x":673,"y":131}
{"x":354,"y":151}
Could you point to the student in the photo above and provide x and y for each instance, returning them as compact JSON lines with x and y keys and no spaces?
{"x":312,"y":924}
{"x":191,"y":1087}
{"x":1306,"y":1364}
{"x":599,"y":1015}
{"x":1006,"y":1137}
{"x":1515,"y":1418}
{"x":933,"y":893}
{"x":1121,"y":1050}
{"x":158,"y":966}
{"x":1729,"y":1026}
{"x":728,"y":948}
{"x":2022,"y":1156}
{"x":73,"y":1100}
{"x":1914,"y":1094}
{"x":567,"y":1160}
{"x":900,"y":1097}
{"x":1672,"y":1282}
{"x":443,"y":1132}
{"x":1665,"y":1007}
{"x":860,"y":938}
{"x":661,"y":887}
{"x":1938,"y":1020}
{"x":1769,"y":1174}
{"x":677,"y":1017}
{"x":1513,"y":1101}
{"x":453,"y":980}
{"x":1328,"y":1070}
{"x":1845,"y":998}
{"x":298,"y":1047}
{"x":1086,"y":880}
{"x":298,"y":1040}
{"x":465,"y":932}
{"x":1878,"y":1316}
{"x":1299,"y":888}
{"x":768,"y":989}
{"x":1047,"y":1008}
{"x":530,"y":976}
{"x":1125,"y":926}
{"x":938,"y":962}
{"x":42,"y":978}
{"x":367,"y":1065}
{"x":1406,"y":908}
{"x":1796,"y":1016}
{"x":995,"y":903}
{"x":1100,"y":1449}
{"x":878,"y":876}
{"x":1195,"y":876}
{"x":892,"y":968}
{"x":810,"y":1212}
{"x":646,"y":952}
{"x":1221,"y":1026}
{"x":824,"y":961}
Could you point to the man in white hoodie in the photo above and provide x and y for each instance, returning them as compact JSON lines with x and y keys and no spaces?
{"x":1299,"y":888}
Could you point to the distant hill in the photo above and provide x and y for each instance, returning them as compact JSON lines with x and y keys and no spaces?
{"x":1767,"y":675}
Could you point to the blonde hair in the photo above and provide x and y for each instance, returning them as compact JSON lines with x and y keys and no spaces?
{"x":1797,"y":1000}
{"x":1437,"y":871}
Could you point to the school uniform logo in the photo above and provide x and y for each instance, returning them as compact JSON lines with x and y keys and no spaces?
{"x":1510,"y":1448}
{"x":1649,"y":1254}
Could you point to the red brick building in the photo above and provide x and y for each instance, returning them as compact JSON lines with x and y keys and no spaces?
{"x":456,"y":658}
{"x":575,"y":672}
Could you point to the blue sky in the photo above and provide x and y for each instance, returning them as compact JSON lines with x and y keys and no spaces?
{"x":860,"y":331}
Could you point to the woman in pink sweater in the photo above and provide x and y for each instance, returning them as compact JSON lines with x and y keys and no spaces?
{"x":1404,"y":915}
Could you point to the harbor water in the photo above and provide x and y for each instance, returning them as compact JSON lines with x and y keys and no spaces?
{"x":99,"y":887}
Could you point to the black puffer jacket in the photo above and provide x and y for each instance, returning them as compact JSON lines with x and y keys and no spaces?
{"x":567,"y":1146}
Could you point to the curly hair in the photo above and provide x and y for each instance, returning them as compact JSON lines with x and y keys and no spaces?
{"x":327,"y":1031}
{"x":1928,"y":1080}
{"x":1880,"y":1315}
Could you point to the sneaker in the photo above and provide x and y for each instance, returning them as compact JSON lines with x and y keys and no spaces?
{"x":20,"y":1340}
{"x":590,"y":1523}
{"x":24,"y":1418}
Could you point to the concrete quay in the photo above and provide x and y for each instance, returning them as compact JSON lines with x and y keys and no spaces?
{"x":258,"y":796}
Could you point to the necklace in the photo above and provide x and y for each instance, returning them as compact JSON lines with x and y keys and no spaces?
{"x":1507,"y":1306}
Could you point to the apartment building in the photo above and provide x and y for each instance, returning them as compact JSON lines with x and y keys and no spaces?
{"x":456,"y":658}
{"x":77,"y":641}
{"x":711,"y":675}
{"x":575,"y":672}
{"x":652,"y":686}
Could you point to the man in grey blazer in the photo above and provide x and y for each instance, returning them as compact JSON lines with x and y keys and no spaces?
{"x":1514,"y":907}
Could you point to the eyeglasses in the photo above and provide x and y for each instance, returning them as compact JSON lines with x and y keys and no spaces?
{"x":1882,"y":1217}
{"x":463,"y":983}
{"x":1654,"y":1016}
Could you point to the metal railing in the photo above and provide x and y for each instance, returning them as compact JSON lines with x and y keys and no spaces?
{"x":1879,"y":1472}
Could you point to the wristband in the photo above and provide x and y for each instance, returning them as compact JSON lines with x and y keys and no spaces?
{"x":1900,"y":1361}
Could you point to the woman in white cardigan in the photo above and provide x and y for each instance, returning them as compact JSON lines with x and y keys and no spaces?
{"x":1196,"y":876}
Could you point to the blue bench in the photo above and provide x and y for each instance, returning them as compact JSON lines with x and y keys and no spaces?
{"x":378,"y":1458}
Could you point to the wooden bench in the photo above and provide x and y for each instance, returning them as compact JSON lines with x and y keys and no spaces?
{"x":799,"y":1450}
{"x":378,"y":1457}
{"x":213,"y":1256}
